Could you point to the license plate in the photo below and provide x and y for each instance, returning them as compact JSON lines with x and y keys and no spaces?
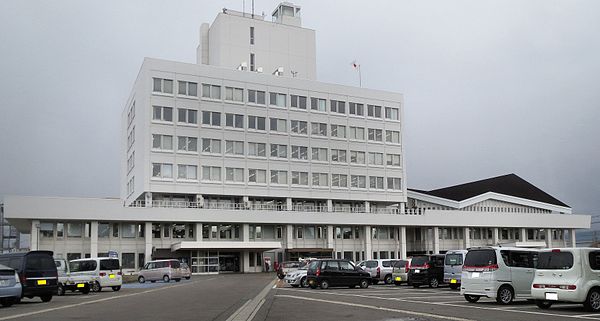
{"x":417,"y":271}
{"x":111,"y":276}
{"x":551,"y":296}
{"x":80,"y":285}
{"x":398,"y":278}
{"x":475,"y":274}
{"x":453,"y":281}
{"x":41,"y":282}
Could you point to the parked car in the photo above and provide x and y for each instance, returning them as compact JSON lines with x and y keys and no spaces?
{"x":37,"y":273}
{"x":165,"y":270}
{"x":106,"y":272}
{"x":330,"y":272}
{"x":298,"y":277}
{"x":380,"y":270}
{"x":66,"y":281}
{"x":501,"y":273}
{"x":568,"y":275}
{"x":10,"y":286}
{"x":186,"y":272}
{"x":400,"y":271}
{"x":453,"y":264}
{"x":287,"y":267}
{"x":426,"y":270}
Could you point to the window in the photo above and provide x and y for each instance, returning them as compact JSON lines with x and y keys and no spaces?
{"x":252,"y":62}
{"x":391,"y":113}
{"x":358,"y":181}
{"x":103,"y":230}
{"x":393,"y":183}
{"x":320,"y":179}
{"x":346,"y":233}
{"x":279,"y":177}
{"x":164,"y":142}
{"x":375,"y":182}
{"x":212,"y":118}
{"x":357,"y":133}
{"x":131,"y":137}
{"x":211,"y":173}
{"x":278,"y":125}
{"x":338,"y":155}
{"x":299,"y":230}
{"x":375,"y":158}
{"x":187,"y":172}
{"x":392,"y":136}
{"x":128,"y":230}
{"x":234,"y":94}
{"x":356,"y":109}
{"x":256,"y":96}
{"x":298,"y":101}
{"x":131,"y":114}
{"x":73,"y":256}
{"x":375,"y":134}
{"x":279,"y":232}
{"x":318,"y":129}
{"x":188,"y":88}
{"x":278,"y":150}
{"x":257,"y":149}
{"x":319,"y":154}
{"x":357,"y":157}
{"x":160,"y":170}
{"x":393,"y":159}
{"x":74,"y":230}
{"x":299,"y":178}
{"x":131,"y":186}
{"x":161,"y":113}
{"x":299,"y":152}
{"x":130,"y":162}
{"x":339,"y":180}
{"x":187,"y":116}
{"x":234,"y":147}
{"x":337,"y":106}
{"x":299,"y":127}
{"x":256,"y":123}
{"x":161,"y":85}
{"x":47,"y":229}
{"x":594,"y":258}
{"x":258,"y":176}
{"x":277,"y":99}
{"x":60,"y":229}
{"x":318,"y":104}
{"x":234,"y":120}
{"x":187,"y":144}
{"x":210,"y":145}
{"x":211,"y":91}
{"x":338,"y":131}
{"x":115,"y":230}
{"x":374,"y":111}
{"x":251,"y":35}
{"x":234,"y":174}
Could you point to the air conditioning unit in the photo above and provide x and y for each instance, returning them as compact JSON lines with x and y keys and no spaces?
{"x":278,"y":71}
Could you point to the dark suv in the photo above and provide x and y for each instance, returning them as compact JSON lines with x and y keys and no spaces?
{"x":37,"y":272}
{"x":326,"y":273}
{"x":426,"y":270}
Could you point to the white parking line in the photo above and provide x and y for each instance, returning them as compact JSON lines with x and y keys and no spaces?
{"x":421,"y":314}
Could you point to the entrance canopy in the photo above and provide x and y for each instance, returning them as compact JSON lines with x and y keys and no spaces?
{"x":219,"y":245}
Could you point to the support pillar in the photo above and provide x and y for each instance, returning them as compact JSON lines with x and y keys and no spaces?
{"x":467,"y":238}
{"x":246,"y":233}
{"x":436,"y":240}
{"x":148,"y":199}
{"x":495,"y":239}
{"x":368,"y":245}
{"x":198,"y":234}
{"x":289,"y":236}
{"x":245,"y":261}
{"x":402,"y":208}
{"x":564,"y":238}
{"x":367,"y":207}
{"x":148,"y":241}
{"x":549,"y":238}
{"x":34,"y":240}
{"x":246,"y":201}
{"x":94,"y":239}
{"x":329,"y":205}
{"x":288,"y":202}
{"x":573,"y":237}
{"x":523,"y":235}
{"x":402,"y":240}
{"x":330,"y":237}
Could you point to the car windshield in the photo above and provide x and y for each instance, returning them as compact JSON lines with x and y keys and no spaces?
{"x":454,"y":259}
{"x":480,"y":258}
{"x":555,"y":261}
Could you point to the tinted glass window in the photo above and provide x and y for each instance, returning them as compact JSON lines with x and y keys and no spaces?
{"x":333,"y":265}
{"x":480,"y":258}
{"x":13,"y":262}
{"x":387,"y":263}
{"x":438,"y":261}
{"x":594,"y":258}
{"x":454,"y":259}
{"x":81,"y":266}
{"x":313,"y":265}
{"x":175,"y":264}
{"x":400,"y":264}
{"x":110,"y":264}
{"x":346,"y":266}
{"x":40,"y":263}
{"x":555,"y":260}
{"x":419,"y":260}
{"x":371,"y":264}
{"x":517,"y":258}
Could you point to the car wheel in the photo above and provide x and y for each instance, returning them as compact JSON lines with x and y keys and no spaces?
{"x":592,"y":302}
{"x":471,"y":298}
{"x":543,"y":304}
{"x":60,"y":290}
{"x":364,"y":283}
{"x":86,"y":289}
{"x":388,"y":279}
{"x":324,"y":284}
{"x":46,"y":298}
{"x":304,"y":282}
{"x":187,"y":277}
{"x":177,"y":280}
{"x":96,"y":287}
{"x":434,"y":283}
{"x":141,"y":279}
{"x":152,"y":281}
{"x":397,"y":283}
{"x":506,"y":295}
{"x":116,"y":288}
{"x":166,"y":279}
{"x":6,"y":302}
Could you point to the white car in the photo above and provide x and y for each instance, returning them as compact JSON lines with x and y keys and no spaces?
{"x":105,"y":271}
{"x":297,"y":278}
{"x":568,"y":275}
{"x":66,"y":281}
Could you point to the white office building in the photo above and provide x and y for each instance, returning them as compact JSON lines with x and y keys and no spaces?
{"x":245,"y":156}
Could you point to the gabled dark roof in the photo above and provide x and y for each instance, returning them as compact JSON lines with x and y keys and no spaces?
{"x":510,"y":184}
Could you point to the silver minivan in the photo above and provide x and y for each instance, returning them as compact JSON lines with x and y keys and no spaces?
{"x":380,"y":270}
{"x":165,"y":270}
{"x":453,"y":264}
{"x":501,"y":273}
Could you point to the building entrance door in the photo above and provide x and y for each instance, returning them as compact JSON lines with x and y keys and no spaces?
{"x":229,"y":262}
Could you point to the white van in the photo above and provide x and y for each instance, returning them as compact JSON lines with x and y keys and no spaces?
{"x":105,"y":270}
{"x":501,"y":273}
{"x":453,"y":263}
{"x":568,"y":275}
{"x":165,"y":270}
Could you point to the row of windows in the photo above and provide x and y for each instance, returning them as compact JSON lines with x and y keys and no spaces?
{"x":275,"y":99}
{"x":279,"y":177}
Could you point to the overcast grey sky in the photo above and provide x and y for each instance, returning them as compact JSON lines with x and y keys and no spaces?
{"x":491,"y":87}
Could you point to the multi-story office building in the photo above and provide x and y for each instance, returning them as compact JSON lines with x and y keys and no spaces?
{"x":245,"y":155}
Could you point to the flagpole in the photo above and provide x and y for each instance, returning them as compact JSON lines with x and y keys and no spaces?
{"x":359,"y":77}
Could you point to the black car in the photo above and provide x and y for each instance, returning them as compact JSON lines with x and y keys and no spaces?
{"x":426,"y":270}
{"x":37,"y":272}
{"x":326,"y":273}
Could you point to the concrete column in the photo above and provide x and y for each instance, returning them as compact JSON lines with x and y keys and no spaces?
{"x":367,"y":207}
{"x":330,"y":237}
{"x":289,"y":204}
{"x":289,"y":236}
{"x":368,"y":245}
{"x":436,"y":240}
{"x":402,"y":208}
{"x":402,"y":240}
{"x":246,"y":232}
{"x":495,"y":239}
{"x":573,"y":237}
{"x":329,"y":205}
{"x":564,"y":238}
{"x":549,"y":238}
{"x":148,"y":199}
{"x":198,"y":232}
{"x":467,"y":237}
{"x":148,"y":241}
{"x":245,"y":261}
{"x":34,"y":240}
{"x":94,"y":239}
{"x":523,"y":236}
